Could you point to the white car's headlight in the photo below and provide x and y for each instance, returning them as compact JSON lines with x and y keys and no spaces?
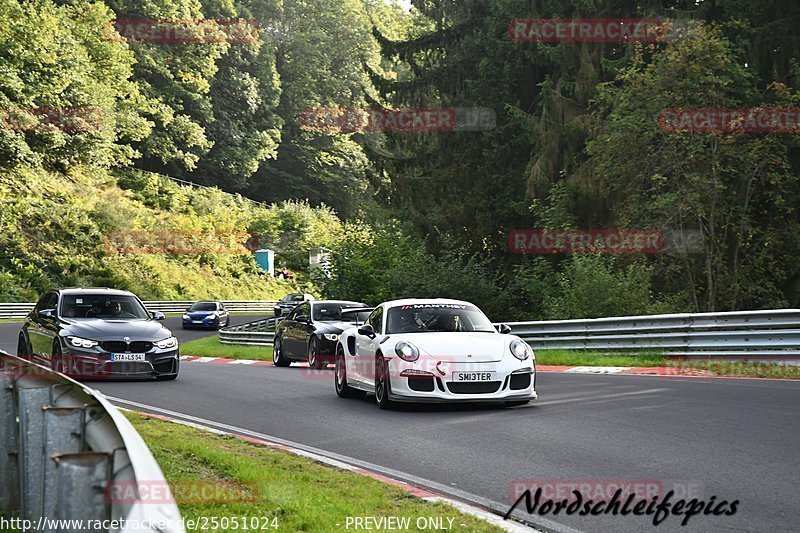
{"x":169,"y":342}
{"x":520,"y":349}
{"x":331,"y":336}
{"x":81,"y":343}
{"x":406,"y":351}
{"x":186,"y":317}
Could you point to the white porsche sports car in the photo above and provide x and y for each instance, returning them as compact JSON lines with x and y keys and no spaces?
{"x":434,"y":351}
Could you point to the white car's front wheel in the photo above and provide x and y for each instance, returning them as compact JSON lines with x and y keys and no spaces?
{"x":383,"y":384}
{"x":343,"y":390}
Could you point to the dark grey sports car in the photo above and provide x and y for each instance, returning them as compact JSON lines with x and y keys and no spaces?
{"x":98,"y":333}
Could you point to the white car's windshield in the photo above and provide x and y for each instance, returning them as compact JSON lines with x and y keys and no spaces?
{"x":425,"y":318}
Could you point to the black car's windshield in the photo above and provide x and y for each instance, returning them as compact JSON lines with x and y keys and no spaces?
{"x":425,"y":318}
{"x":293,"y":298}
{"x":332,"y":312}
{"x":118,"y":307}
{"x":203,"y":306}
{"x":356,"y":317}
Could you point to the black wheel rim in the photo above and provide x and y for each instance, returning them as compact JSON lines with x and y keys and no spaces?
{"x":380,"y":380}
{"x":312,"y":354}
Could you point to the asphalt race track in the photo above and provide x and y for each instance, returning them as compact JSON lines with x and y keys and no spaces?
{"x":728,"y":438}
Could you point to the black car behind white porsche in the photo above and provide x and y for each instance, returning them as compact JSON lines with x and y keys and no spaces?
{"x":98,"y":333}
{"x":311,"y":330}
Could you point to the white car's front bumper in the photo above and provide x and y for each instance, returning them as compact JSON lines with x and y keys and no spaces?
{"x":512,"y":380}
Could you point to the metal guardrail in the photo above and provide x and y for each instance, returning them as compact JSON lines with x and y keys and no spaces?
{"x":257,"y":332}
{"x":767,"y":333}
{"x":20,"y":310}
{"x":62,"y":447}
{"x":770,"y":332}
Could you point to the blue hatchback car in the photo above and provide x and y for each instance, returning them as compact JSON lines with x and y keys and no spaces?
{"x":206,"y":315}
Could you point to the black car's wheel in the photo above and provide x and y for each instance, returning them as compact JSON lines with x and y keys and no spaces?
{"x":382,"y":383}
{"x":23,"y":350}
{"x":314,"y":359}
{"x":517,"y":403}
{"x":343,"y":390}
{"x":278,"y":358}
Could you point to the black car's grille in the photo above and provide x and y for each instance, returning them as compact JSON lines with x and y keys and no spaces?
{"x":122,"y":347}
{"x":479,"y":387}
{"x":129,"y":367}
{"x":520,"y":381}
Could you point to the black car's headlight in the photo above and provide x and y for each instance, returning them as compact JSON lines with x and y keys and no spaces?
{"x":79,"y":342}
{"x":169,"y":342}
{"x":406,"y":351}
{"x":520,"y":349}
{"x":331,"y":336}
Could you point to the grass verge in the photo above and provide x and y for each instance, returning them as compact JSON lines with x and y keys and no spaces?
{"x":303,"y":495}
{"x":575,"y":358}
{"x":211,"y":347}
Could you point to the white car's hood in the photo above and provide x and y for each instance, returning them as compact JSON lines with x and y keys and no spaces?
{"x":459,"y":347}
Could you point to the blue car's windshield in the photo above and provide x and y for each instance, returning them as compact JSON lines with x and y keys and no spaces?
{"x":203,"y":306}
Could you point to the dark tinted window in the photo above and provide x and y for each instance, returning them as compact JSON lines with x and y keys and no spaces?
{"x":48,"y":301}
{"x":376,"y":319}
{"x":294,"y":297}
{"x":118,"y":307}
{"x":332,"y":312}
{"x":303,"y":309}
{"x":203,"y":306}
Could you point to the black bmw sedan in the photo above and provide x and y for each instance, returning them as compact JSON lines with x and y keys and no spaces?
{"x":310,"y":331}
{"x":98,"y":333}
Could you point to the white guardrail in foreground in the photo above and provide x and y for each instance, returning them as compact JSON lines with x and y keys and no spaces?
{"x":61,"y":445}
{"x":772,"y":332}
{"x":20,"y":310}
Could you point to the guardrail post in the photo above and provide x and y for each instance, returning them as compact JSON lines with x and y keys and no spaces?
{"x":31,"y":439}
{"x":9,"y":470}
{"x":61,"y":436}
